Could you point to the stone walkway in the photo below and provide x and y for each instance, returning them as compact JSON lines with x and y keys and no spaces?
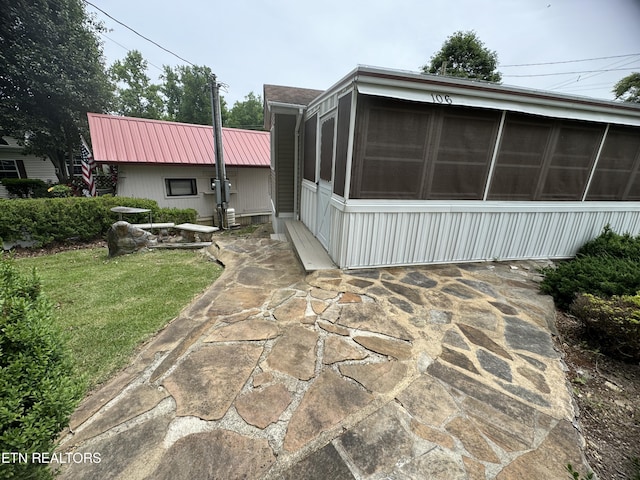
{"x":437,"y":372}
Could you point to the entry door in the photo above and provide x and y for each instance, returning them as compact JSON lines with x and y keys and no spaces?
{"x":325,"y":182}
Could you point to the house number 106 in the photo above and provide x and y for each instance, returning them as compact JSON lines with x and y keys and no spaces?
{"x":437,"y":98}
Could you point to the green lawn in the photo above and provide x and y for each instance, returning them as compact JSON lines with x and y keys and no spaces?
{"x":107,"y":307}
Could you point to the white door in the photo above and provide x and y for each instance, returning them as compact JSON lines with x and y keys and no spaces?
{"x":325,"y":182}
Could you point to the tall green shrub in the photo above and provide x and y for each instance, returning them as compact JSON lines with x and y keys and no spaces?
{"x":37,"y":389}
{"x":50,"y":220}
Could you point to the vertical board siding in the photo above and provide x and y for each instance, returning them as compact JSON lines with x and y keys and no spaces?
{"x":308,"y":206}
{"x":369,"y":239}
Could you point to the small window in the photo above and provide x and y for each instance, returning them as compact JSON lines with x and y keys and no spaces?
{"x":8,"y":169}
{"x":181,"y":186}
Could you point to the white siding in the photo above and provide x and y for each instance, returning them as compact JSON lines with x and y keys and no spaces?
{"x":308,"y":204}
{"x":249,"y":192}
{"x":35,"y":167}
{"x":383,"y":235}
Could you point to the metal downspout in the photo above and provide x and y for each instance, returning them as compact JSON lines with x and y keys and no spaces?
{"x":296,"y":165}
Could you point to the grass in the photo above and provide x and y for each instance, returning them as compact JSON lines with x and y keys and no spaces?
{"x":107,"y":307}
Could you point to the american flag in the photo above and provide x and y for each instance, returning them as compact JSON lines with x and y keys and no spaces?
{"x":88,"y":164}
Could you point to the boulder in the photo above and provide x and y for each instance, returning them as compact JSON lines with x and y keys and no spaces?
{"x":124,"y":238}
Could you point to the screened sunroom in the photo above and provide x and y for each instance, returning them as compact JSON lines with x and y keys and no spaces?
{"x":397,"y":168}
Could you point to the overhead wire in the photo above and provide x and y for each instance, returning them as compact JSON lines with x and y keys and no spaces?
{"x":222,"y":85}
{"x":568,"y":61}
{"x":139,"y":34}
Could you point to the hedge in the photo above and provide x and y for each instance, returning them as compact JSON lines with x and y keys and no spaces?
{"x":48,"y":220}
{"x":38,"y":391}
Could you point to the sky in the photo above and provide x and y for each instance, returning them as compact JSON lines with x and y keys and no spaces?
{"x":249,"y":43}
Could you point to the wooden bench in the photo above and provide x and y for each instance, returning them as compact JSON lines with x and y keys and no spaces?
{"x":189,"y":231}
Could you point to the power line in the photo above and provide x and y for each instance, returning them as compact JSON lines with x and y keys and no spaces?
{"x":572,"y":73}
{"x":139,"y":34}
{"x":568,"y":61}
{"x":128,"y":50}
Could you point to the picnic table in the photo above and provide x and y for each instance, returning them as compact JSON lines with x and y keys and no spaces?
{"x":130,"y":210}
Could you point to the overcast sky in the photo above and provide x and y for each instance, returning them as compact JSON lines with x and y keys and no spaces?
{"x":314,"y":44}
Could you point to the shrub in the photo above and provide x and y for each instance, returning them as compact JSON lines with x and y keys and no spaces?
{"x":25,"y":187}
{"x":60,"y":219}
{"x":610,"y":244}
{"x":602,"y":276}
{"x":60,"y":191}
{"x":37,"y":390}
{"x":605,"y":266}
{"x":613,"y":324}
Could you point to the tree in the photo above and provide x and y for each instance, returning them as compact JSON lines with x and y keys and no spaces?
{"x":463,"y":54}
{"x":247,"y":114}
{"x":188,"y":95}
{"x":52,"y":73}
{"x":628,"y":89}
{"x":136,"y":96}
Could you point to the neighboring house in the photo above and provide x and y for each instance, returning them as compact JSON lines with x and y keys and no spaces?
{"x":173,"y":163}
{"x":13,"y":164}
{"x":398,"y":168}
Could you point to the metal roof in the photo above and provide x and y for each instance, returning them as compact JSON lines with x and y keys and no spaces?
{"x":428,"y":88}
{"x":116,"y":139}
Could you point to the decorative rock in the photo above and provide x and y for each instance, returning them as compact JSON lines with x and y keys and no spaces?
{"x":338,"y":350}
{"x":384,"y":346}
{"x":218,"y":454}
{"x":263,"y":407}
{"x":376,"y":377}
{"x":329,"y":400}
{"x":295,"y":353}
{"x":207,"y":381}
{"x":123,"y":238}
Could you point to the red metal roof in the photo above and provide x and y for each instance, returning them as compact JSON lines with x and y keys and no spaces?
{"x":116,"y":139}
